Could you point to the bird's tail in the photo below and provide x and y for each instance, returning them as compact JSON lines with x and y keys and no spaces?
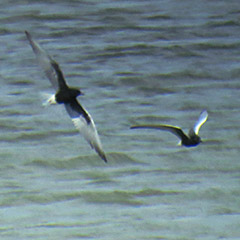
{"x":48,"y":99}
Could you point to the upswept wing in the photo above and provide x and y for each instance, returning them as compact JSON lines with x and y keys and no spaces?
{"x":201,"y":120}
{"x":44,"y":60}
{"x":61,"y":81}
{"x":173,"y":129}
{"x":85,"y":124}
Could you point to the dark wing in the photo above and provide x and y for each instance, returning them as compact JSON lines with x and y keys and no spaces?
{"x":44,"y":61}
{"x":61,"y":81}
{"x":175,"y":130}
{"x":85,"y":124}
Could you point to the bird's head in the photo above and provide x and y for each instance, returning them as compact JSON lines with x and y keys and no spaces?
{"x":194,"y":137}
{"x":76,"y":92}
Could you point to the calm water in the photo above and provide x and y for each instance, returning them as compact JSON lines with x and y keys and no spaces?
{"x":157,"y":61}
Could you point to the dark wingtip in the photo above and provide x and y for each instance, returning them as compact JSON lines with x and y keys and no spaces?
{"x":102,"y":155}
{"x":29,"y":37}
{"x":139,"y":126}
{"x":104,"y":158}
{"x":27,"y":34}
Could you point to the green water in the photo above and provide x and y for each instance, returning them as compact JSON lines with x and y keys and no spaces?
{"x":136,"y":62}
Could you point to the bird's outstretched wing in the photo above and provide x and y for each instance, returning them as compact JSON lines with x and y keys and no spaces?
{"x":201,"y":120}
{"x":44,"y":60}
{"x":175,"y":130}
{"x":61,"y":80}
{"x":85,"y":124}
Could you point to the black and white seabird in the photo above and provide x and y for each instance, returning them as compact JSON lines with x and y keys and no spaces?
{"x":68,"y":96}
{"x":190,"y":140}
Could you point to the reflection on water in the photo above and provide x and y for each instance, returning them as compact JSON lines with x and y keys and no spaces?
{"x":136,"y":62}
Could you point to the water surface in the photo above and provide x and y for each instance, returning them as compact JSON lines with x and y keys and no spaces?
{"x":137,"y":62}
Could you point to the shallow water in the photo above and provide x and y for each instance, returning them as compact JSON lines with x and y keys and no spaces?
{"x":137,"y":62}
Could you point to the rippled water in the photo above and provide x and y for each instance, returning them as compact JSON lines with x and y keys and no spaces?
{"x":137,"y":62}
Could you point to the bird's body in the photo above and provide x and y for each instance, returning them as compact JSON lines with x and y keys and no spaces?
{"x":190,"y":140}
{"x":68,"y":96}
